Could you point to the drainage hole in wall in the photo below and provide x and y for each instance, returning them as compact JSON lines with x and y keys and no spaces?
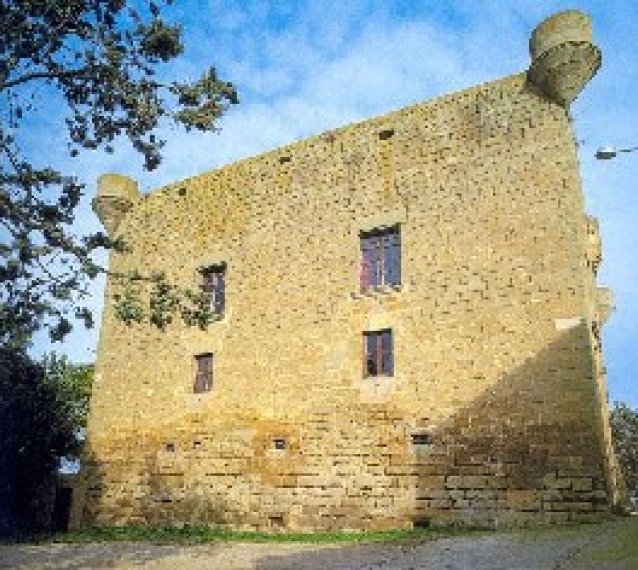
{"x":276,"y":521}
{"x":421,"y":523}
{"x":421,"y":439}
{"x":279,"y":443}
{"x":385,"y":134}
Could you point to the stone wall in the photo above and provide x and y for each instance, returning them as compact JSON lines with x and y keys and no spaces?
{"x":497,"y":369}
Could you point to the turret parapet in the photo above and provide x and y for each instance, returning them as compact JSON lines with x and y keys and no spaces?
{"x":564,"y":57}
{"x":116,"y":195}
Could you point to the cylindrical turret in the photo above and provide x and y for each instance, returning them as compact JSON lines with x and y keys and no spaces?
{"x":116,"y":195}
{"x":564,"y":57}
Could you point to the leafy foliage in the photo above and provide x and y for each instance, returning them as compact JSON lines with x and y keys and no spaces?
{"x":165,"y":300}
{"x":72,"y":383}
{"x":624,"y":428}
{"x":37,"y":427}
{"x":43,"y":406}
{"x":101,"y":59}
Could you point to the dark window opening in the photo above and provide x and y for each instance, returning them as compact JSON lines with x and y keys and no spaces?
{"x":380,"y":258}
{"x":276,"y":521}
{"x":421,"y":523}
{"x":203,"y":373}
{"x":213,"y":285}
{"x":279,"y":443}
{"x":378,"y":354}
{"x":421,"y":439}
{"x":170,"y":447}
{"x":385,"y":134}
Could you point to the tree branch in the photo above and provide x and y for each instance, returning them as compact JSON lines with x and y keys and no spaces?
{"x":42,"y":75}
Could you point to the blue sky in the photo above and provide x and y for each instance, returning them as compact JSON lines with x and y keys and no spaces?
{"x":304,"y":67}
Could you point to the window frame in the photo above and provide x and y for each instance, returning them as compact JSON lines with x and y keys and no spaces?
{"x":380,"y":249}
{"x":383,"y":340}
{"x":215,"y":288}
{"x":204,"y":375}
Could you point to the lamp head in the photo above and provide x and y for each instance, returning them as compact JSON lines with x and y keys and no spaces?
{"x":606,"y":153}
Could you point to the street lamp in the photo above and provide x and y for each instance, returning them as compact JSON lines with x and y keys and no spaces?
{"x":609,"y":152}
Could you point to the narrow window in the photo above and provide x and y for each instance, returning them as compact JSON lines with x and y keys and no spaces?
{"x":203,"y":373}
{"x":213,"y":285}
{"x":380,"y":257}
{"x":377,"y":353}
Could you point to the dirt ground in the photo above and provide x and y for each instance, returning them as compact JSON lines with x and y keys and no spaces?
{"x":611,"y":545}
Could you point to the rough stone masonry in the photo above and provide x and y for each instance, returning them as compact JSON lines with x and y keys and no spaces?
{"x":408,"y":325}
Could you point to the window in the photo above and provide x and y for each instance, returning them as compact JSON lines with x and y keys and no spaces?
{"x":213,"y":285}
{"x":276,"y":521}
{"x":203,"y":373}
{"x":279,"y":443}
{"x":380,"y":257}
{"x":421,"y":439}
{"x":377,"y":353}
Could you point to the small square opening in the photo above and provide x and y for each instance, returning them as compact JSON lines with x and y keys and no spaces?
{"x":421,"y":438}
{"x":276,"y":521}
{"x":385,"y":134}
{"x":421,"y":522}
{"x":279,"y":443}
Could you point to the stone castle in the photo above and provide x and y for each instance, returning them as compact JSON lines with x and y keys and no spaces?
{"x":408,"y":326}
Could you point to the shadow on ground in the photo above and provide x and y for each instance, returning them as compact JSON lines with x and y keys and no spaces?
{"x":610,"y":546}
{"x":83,"y":556}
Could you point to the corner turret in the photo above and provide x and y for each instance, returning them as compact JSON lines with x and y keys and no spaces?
{"x":116,"y":195}
{"x":564,"y":57}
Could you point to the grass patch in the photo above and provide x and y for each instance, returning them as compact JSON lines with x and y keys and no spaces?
{"x":621,"y":546}
{"x":203,"y":534}
{"x":566,"y":530}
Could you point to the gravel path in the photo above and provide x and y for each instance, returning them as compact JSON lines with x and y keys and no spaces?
{"x":555,"y":549}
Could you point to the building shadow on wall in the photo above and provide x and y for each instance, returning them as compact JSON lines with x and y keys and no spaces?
{"x":527,"y":451}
